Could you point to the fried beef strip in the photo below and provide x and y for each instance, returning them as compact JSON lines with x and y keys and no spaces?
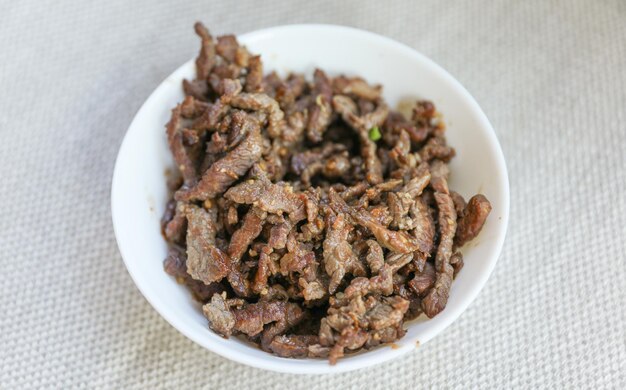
{"x":396,"y":241}
{"x":205,"y":261}
{"x":269,"y":197}
{"x":474,"y":216}
{"x":228,"y":169}
{"x":436,"y":299}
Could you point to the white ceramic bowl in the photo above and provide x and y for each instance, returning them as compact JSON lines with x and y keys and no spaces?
{"x":139,"y":194}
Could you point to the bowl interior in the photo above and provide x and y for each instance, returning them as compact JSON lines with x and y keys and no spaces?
{"x":139,"y":192}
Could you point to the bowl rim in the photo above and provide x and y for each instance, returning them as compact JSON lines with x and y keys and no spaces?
{"x":273,"y":363}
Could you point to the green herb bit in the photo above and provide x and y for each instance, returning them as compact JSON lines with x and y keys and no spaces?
{"x":374,"y":133}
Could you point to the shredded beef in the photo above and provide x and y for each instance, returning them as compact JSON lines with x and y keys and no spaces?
{"x":226,"y":170}
{"x":306,"y":215}
{"x":320,"y":111}
{"x":474,"y":216}
{"x":293,"y":346}
{"x":205,"y":261}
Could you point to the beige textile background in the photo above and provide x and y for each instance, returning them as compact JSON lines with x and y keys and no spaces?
{"x":551,"y":76}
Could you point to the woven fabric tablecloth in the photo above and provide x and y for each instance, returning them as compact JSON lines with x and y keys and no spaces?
{"x":551,"y":76}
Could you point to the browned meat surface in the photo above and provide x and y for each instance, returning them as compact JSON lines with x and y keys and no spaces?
{"x":471,"y":222}
{"x":293,"y":346}
{"x":249,"y":230}
{"x":339,"y":258}
{"x":254,"y":79}
{"x":205,"y":261}
{"x":206,"y":58}
{"x":175,"y":264}
{"x":269,"y":197}
{"x":320,"y":111}
{"x":228,"y":315}
{"x":424,"y":280}
{"x":180,"y":153}
{"x":226,"y":170}
{"x":396,"y":241}
{"x":437,"y":297}
{"x":306,"y":215}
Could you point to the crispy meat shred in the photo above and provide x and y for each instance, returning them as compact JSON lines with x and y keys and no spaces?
{"x":307,"y":216}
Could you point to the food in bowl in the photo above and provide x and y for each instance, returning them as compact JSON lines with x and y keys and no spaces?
{"x":307,"y":216}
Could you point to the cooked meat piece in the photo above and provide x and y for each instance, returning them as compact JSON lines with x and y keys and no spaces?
{"x":423,"y":225}
{"x":168,"y":215}
{"x":387,"y":313}
{"x":354,"y":191}
{"x":179,"y":152}
{"x":457,"y":263}
{"x":293,"y":345}
{"x":228,"y":88}
{"x":347,"y":109}
{"x":228,"y":169}
{"x":220,"y":317}
{"x":190,"y":137}
{"x":374,"y":257}
{"x":396,"y":241}
{"x":297,"y":257}
{"x":400,"y":204}
{"x":396,"y":122}
{"x":339,"y":258}
{"x":269,"y":197}
{"x":198,"y":89}
{"x":227,"y":46}
{"x":395,"y":261}
{"x":289,"y":91}
{"x":439,"y":173}
{"x":436,"y":148}
{"x":336,"y":166}
{"x":175,"y":227}
{"x":242,"y":57}
{"x":291,"y":315}
{"x":270,"y":83}
{"x":400,"y":152}
{"x":210,"y":117}
{"x":238,"y":127}
{"x":262,"y":102}
{"x":275,"y":292}
{"x":205,"y":261}
{"x":352,"y":339}
{"x":418,"y":182}
{"x":312,"y":290}
{"x":266,"y":267}
{"x":249,"y":230}
{"x":320,"y":111}
{"x":251,"y":318}
{"x":206,"y":59}
{"x":278,"y":235}
{"x":239,"y":282}
{"x":312,"y":205}
{"x":175,"y":264}
{"x":424,"y":112}
{"x":436,"y":299}
{"x":459,"y":204}
{"x":473,"y":219}
{"x":191,"y":108}
{"x":300,"y":161}
{"x":381,"y":214}
{"x":423,"y":281}
{"x":356,"y":86}
{"x":316,"y":350}
{"x":254,"y":78}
